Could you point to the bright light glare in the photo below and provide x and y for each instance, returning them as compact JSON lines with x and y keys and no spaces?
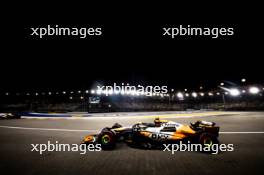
{"x":243,"y":80}
{"x":253,"y":90}
{"x":202,"y":94}
{"x":98,"y":92}
{"x":234,"y":92}
{"x":92,"y":91}
{"x":179,"y":95}
{"x":194,"y":94}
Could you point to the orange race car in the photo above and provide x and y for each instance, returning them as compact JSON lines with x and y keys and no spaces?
{"x":151,"y":135}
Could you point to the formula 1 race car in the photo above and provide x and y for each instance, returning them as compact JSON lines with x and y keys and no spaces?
{"x":153,"y":135}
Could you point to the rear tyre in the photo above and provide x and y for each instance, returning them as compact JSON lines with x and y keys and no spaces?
{"x":107,"y":140}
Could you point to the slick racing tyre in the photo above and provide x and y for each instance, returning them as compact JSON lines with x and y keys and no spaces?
{"x":207,"y":141}
{"x":107,"y":140}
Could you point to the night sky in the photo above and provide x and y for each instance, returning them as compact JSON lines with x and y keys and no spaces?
{"x":131,"y":49}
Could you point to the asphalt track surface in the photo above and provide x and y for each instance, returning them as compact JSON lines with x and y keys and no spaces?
{"x":16,"y":137}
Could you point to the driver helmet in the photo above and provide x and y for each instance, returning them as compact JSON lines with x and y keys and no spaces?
{"x":157,"y":122}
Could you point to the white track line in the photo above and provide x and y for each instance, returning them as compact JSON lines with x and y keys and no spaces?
{"x":146,"y":116}
{"x":254,"y":132}
{"x":83,"y":130}
{"x":49,"y":129}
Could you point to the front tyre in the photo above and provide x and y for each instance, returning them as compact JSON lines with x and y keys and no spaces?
{"x":107,"y":140}
{"x":208,"y":142}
